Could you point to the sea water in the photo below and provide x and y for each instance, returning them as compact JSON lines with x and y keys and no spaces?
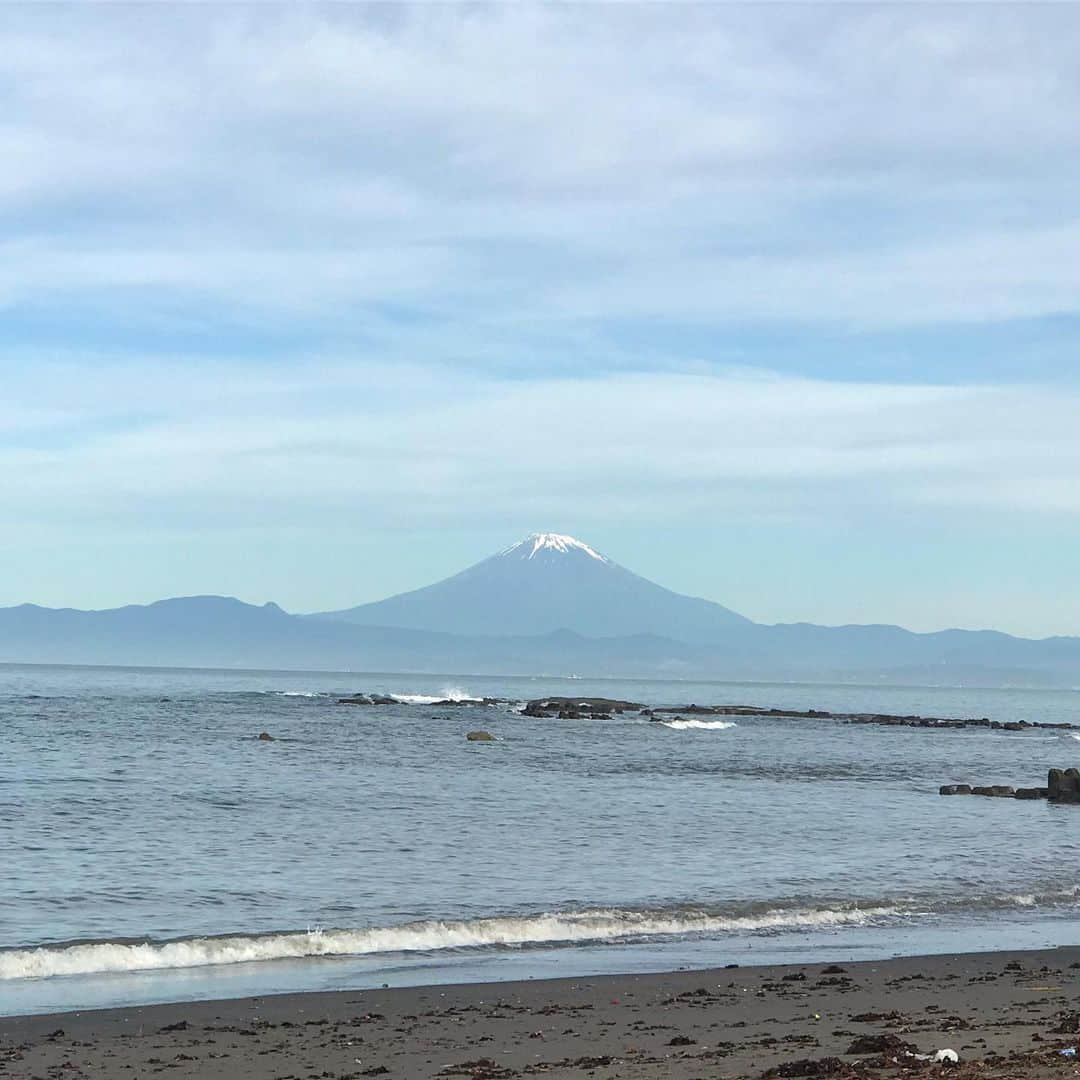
{"x":153,"y":848}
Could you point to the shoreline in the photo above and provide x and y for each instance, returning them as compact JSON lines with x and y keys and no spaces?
{"x":1005,"y":1013}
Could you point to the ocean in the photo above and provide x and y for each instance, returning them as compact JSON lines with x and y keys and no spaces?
{"x":153,"y":849}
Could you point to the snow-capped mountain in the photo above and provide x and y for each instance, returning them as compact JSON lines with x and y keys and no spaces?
{"x":548,"y":582}
{"x":548,"y":604}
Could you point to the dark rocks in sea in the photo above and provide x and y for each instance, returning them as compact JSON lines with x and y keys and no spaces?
{"x":706,"y":710}
{"x":883,"y":719}
{"x":1063,"y":786}
{"x":465,"y":703}
{"x":576,"y":708}
{"x":445,"y":703}
{"x":480,"y":736}
{"x":579,"y":708}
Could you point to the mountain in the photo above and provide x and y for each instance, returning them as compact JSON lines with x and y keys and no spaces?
{"x":549,"y":605}
{"x":219,"y":631}
{"x":544,"y":583}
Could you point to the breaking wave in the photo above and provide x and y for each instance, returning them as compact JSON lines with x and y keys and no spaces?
{"x":700,"y":725}
{"x":550,"y":929}
{"x":451,"y":693}
{"x":555,"y":928}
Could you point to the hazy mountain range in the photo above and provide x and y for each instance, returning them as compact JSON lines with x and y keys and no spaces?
{"x":547,"y":605}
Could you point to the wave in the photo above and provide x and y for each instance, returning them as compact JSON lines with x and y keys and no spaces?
{"x":556,"y":928}
{"x":548,"y":929}
{"x":451,"y":693}
{"x":699,"y":725}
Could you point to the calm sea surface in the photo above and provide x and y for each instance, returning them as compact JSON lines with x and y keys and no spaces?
{"x":152,"y":848}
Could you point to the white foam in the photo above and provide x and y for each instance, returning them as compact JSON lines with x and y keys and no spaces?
{"x":550,"y":928}
{"x":701,"y":725}
{"x":451,"y":693}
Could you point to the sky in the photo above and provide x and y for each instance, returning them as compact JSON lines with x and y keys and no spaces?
{"x":776,"y":305}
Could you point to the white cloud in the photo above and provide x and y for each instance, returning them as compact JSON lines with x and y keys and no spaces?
{"x":854,"y":164}
{"x":420,"y":447}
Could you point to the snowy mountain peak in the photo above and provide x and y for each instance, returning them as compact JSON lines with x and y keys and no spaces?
{"x":535,"y":543}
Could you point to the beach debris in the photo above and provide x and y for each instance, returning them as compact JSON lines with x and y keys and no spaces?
{"x":480,"y":1069}
{"x":1069,"y":1051}
{"x":950,"y":1056}
{"x":830,"y":1066}
{"x":480,"y":736}
{"x":1068,"y":1023}
{"x":265,"y":736}
{"x":881,"y":1044}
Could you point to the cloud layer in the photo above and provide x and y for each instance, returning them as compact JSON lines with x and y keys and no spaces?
{"x":286,"y":277}
{"x":515,"y":171}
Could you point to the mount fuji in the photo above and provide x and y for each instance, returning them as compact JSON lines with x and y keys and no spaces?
{"x":548,"y":604}
{"x":544,"y":583}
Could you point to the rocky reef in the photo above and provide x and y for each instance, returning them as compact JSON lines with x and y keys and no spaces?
{"x":1062,"y":786}
{"x":580,"y":708}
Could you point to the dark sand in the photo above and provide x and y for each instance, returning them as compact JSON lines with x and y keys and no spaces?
{"x":1006,"y":1014}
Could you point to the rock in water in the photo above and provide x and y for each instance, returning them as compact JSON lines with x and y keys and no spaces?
{"x":480,"y":736}
{"x":1063,"y":787}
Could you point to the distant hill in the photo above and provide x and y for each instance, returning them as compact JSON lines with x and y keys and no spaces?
{"x":549,"y":605}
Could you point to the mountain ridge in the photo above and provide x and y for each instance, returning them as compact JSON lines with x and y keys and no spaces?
{"x":644,"y":630}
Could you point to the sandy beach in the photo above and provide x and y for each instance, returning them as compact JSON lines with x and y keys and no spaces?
{"x":1005,"y":1014}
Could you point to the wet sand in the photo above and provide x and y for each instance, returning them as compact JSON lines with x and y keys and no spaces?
{"x":1005,"y":1014}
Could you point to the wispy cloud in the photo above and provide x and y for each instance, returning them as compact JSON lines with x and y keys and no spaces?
{"x":550,"y":165}
{"x":418,"y":447}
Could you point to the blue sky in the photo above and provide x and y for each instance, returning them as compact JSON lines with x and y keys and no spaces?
{"x":777,"y":305}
